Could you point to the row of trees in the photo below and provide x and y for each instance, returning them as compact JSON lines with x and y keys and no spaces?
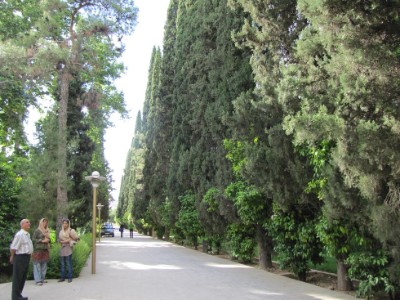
{"x":65,"y":53}
{"x":274,"y":125}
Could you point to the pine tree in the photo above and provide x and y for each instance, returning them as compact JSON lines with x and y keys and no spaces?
{"x":69,"y":39}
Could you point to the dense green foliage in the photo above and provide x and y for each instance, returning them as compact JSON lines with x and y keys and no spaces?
{"x":9,"y":212}
{"x":268,"y":127}
{"x":60,"y":58}
{"x":280,"y":119}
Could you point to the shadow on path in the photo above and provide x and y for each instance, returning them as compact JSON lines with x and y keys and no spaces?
{"x":143,"y":268}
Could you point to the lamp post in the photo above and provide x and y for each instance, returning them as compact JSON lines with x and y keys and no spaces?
{"x":95,"y":180}
{"x":99,"y":206}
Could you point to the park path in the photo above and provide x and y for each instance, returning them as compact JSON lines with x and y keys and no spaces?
{"x":143,"y":268}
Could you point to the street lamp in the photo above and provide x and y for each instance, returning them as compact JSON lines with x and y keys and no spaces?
{"x":95,"y":180}
{"x":99,"y":206}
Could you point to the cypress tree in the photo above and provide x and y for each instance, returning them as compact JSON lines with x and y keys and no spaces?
{"x":344,"y":85}
{"x":210,"y":74}
{"x":131,"y":197}
{"x":272,"y":163}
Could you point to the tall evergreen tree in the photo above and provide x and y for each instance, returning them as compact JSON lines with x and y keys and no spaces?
{"x":84,"y":151}
{"x":210,"y":74}
{"x":72,"y":38}
{"x":344,"y":87}
{"x":163,"y":121}
{"x":178,"y":174}
{"x":131,"y":197}
{"x":17,"y":90}
{"x":152,"y":173}
{"x":272,"y":164}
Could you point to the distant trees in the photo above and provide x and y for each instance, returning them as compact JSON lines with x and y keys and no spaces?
{"x":279,"y":118}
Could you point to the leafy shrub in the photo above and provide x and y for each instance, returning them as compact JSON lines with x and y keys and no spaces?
{"x":328,"y":265}
{"x":371,"y":269}
{"x":241,"y":242}
{"x":80,"y":256}
{"x":188,"y":219}
{"x":9,"y":213}
{"x":296,"y":244}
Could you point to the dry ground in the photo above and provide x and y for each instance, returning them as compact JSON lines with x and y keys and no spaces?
{"x":322,"y":279}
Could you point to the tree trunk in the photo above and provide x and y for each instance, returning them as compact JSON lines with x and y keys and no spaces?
{"x":343,"y":282}
{"x":264,"y":248}
{"x":302,"y":275}
{"x":62,"y":199}
{"x":166,"y":234}
{"x":218,"y":246}
{"x":205,"y":245}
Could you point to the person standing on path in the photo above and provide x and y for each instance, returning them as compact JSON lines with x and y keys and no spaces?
{"x":40,"y":255}
{"x":67,"y":238}
{"x":121,"y":229}
{"x":131,"y":230}
{"x":21,"y":249}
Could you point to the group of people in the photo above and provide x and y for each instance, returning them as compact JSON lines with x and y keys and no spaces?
{"x":122,"y":227}
{"x":23,"y":248}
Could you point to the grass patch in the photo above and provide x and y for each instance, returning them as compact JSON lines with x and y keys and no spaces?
{"x":5,"y":278}
{"x":329,"y":265}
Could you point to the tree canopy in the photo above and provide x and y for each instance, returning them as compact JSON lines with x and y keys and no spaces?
{"x":280,"y":119}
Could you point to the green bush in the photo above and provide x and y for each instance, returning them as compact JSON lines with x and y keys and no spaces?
{"x":79,"y":257}
{"x":241,"y":242}
{"x":329,"y":265}
{"x":371,"y":269}
{"x":296,"y":243}
{"x":9,"y":213}
{"x":188,"y":219}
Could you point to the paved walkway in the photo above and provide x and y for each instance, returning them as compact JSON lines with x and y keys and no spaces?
{"x":144,"y":268}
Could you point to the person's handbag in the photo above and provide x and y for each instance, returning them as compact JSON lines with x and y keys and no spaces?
{"x":74,"y":238}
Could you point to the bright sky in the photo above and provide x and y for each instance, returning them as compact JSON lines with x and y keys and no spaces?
{"x":148,"y":33}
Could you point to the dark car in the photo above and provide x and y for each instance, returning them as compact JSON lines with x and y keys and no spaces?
{"x":107,"y":229}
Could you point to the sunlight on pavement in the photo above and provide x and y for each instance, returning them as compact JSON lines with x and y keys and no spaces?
{"x":227,"y":266}
{"x":324,"y":297}
{"x":259,"y":292}
{"x":136,"y":266}
{"x":134,"y":244}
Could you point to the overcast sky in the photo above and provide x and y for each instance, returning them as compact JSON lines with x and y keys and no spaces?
{"x":148,"y":33}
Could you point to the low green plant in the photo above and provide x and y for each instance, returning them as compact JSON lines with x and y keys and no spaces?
{"x":328,"y":265}
{"x":296,"y":243}
{"x":188,"y":219}
{"x":371,"y":269}
{"x":241,"y":243}
{"x":80,"y":255}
